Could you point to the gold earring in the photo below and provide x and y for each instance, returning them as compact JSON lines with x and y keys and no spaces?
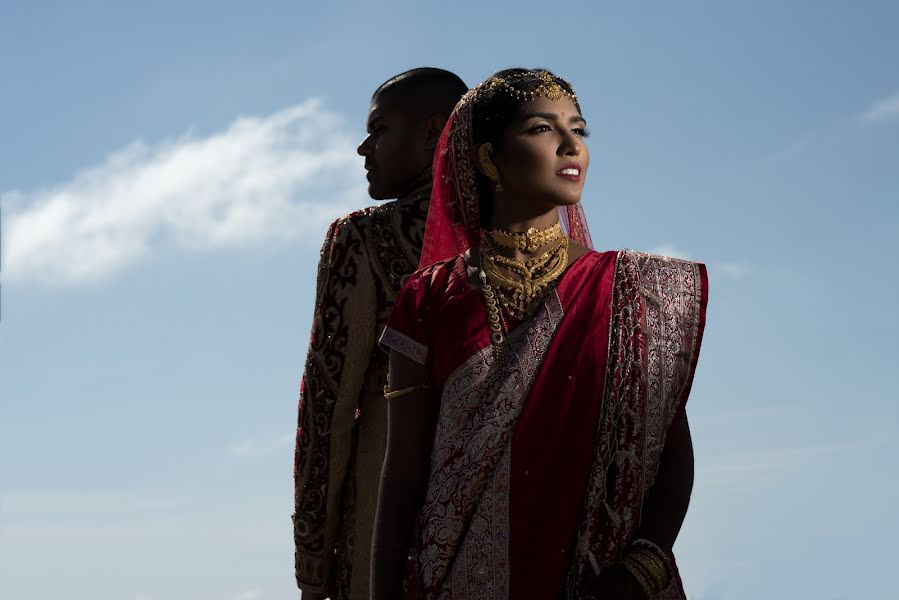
{"x":488,"y":167}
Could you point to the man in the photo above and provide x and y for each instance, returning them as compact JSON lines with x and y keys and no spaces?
{"x":365,"y":260}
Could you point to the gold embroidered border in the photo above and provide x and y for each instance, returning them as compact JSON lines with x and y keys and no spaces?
{"x":652,"y":340}
{"x":464,"y":524}
{"x":393,"y":339}
{"x":671,"y":295}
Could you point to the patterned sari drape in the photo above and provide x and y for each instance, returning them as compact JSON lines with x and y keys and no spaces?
{"x":614,"y":350}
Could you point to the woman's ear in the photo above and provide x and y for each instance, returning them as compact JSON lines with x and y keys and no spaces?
{"x":482,"y":157}
{"x":485,"y":164}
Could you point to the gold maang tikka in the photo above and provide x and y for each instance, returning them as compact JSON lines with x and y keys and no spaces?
{"x":548,"y":88}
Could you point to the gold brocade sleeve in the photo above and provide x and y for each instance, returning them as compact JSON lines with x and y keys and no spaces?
{"x":342,"y":340}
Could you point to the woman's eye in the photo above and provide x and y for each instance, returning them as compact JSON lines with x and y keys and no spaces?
{"x":581,"y":132}
{"x":540,"y":128}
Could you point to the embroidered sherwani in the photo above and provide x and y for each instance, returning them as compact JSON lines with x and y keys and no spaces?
{"x":342,"y":424}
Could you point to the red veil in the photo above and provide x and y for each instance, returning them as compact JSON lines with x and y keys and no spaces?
{"x":453,"y":224}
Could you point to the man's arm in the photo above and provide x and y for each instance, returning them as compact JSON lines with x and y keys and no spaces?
{"x":342,"y":341}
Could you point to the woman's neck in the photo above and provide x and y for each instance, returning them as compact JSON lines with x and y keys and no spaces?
{"x":521,"y":224}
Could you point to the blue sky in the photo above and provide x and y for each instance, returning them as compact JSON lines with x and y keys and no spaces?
{"x":167,"y":174}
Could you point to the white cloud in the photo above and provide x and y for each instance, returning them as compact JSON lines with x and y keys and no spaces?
{"x":670,"y":250}
{"x":87,"y":503}
{"x":794,"y":149}
{"x":730,"y":269}
{"x":757,"y":469}
{"x":882,"y":110}
{"x":249,"y":595}
{"x":262,"y":446}
{"x":273,"y":178}
{"x":733,"y":270}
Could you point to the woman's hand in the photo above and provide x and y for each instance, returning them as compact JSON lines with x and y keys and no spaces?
{"x":614,"y":583}
{"x":317,"y":595}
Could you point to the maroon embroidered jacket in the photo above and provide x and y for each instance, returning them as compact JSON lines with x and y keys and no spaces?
{"x":342,"y":420}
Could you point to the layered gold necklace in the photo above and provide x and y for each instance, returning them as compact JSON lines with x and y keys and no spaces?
{"x":518,"y":287}
{"x":528,"y":241}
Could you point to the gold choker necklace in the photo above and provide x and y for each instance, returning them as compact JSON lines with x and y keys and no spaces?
{"x":528,"y":241}
{"x":517,"y":287}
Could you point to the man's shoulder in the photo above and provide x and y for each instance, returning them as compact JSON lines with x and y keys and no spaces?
{"x":353,"y":221}
{"x":363,"y":215}
{"x":351,"y":231}
{"x":359,"y":221}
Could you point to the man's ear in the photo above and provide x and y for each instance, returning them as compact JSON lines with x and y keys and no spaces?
{"x":433,"y":127}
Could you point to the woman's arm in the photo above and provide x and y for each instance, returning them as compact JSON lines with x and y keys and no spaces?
{"x":410,"y":434}
{"x":663,"y":511}
{"x":666,"y":505}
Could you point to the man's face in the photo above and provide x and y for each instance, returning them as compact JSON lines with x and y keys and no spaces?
{"x":395,"y":151}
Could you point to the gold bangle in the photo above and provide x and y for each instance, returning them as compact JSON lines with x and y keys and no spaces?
{"x":389,"y":395}
{"x":637,"y":572}
{"x":651,"y":567}
{"x":654,"y":555}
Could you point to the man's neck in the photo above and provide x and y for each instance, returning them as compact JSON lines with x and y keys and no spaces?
{"x":418,"y":187}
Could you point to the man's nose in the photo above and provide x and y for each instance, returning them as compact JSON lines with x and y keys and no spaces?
{"x":363,"y":148}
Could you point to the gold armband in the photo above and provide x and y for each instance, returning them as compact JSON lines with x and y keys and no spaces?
{"x":389,"y":395}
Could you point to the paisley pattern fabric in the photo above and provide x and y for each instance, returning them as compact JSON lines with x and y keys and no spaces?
{"x":465,"y":520}
{"x":658,"y":313}
{"x":365,"y":259}
{"x":596,"y":377}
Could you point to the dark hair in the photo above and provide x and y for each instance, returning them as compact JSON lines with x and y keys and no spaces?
{"x":493,"y":111}
{"x":425,"y":91}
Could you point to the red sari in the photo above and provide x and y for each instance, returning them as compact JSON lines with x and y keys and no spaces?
{"x":540,"y":466}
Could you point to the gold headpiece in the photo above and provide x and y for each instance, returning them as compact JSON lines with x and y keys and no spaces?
{"x":549,"y":88}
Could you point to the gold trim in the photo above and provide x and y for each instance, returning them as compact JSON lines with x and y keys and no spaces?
{"x":529,"y":240}
{"x":390,"y":395}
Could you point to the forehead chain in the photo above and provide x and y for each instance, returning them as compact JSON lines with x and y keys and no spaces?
{"x":548,"y":88}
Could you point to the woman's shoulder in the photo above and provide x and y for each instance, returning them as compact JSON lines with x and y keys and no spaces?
{"x":644,"y":257}
{"x":660,"y":275}
{"x":439,"y":276}
{"x":651,"y":269}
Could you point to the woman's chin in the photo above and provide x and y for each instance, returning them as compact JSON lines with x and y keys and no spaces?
{"x":567,"y":199}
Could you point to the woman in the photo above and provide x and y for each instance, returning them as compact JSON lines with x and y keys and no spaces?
{"x":538,"y":445}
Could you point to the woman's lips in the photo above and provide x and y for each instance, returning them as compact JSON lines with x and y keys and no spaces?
{"x":571,"y":173}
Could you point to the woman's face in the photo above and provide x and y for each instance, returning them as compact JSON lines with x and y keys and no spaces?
{"x":543,"y":160}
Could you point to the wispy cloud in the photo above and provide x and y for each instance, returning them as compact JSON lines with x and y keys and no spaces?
{"x":83,"y":503}
{"x":793,"y":149}
{"x":730,"y":269}
{"x":882,"y":110}
{"x":733,"y":270}
{"x":262,"y":446}
{"x":670,"y":250}
{"x":249,"y":595}
{"x":752,"y":470}
{"x":278,"y":177}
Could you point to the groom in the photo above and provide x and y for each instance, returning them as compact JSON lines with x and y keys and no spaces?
{"x":365,"y":260}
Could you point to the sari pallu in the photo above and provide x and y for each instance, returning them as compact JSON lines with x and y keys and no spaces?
{"x":540,"y":466}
